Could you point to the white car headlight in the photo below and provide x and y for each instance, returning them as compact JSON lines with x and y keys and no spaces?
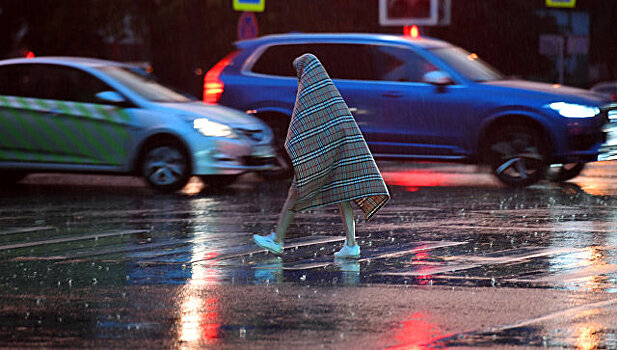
{"x":571,"y":110}
{"x":209,"y":128}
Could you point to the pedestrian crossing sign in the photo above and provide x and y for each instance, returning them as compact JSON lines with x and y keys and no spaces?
{"x":249,"y":5}
{"x":560,"y":3}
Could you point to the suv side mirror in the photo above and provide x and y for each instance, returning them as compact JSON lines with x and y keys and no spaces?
{"x":110,"y":96}
{"x":437,"y":78}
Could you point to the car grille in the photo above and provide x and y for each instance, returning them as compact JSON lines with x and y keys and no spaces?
{"x":255,"y":135}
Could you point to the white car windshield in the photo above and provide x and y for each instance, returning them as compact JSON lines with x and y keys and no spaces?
{"x":467,"y":64}
{"x":144,"y":85}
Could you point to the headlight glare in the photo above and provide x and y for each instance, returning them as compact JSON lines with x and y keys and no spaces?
{"x":572,"y":110}
{"x":209,"y":128}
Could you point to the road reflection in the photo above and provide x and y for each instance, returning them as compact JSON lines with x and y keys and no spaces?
{"x":198,"y":299}
{"x":417,"y":331}
{"x":586,"y":334}
{"x":414,"y":179}
{"x":598,"y":179}
{"x":199,"y":319}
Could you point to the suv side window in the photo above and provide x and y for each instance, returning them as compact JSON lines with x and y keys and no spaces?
{"x":278,"y":60}
{"x":342,"y":61}
{"x":394,"y":63}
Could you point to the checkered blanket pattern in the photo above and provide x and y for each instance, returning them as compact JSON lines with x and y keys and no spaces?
{"x":331,"y":160}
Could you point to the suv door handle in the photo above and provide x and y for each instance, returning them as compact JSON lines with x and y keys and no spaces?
{"x":392,"y":94}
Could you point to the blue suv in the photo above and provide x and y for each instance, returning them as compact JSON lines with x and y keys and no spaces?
{"x":423,"y":99}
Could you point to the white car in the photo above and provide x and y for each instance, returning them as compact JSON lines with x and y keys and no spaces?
{"x":65,"y":114}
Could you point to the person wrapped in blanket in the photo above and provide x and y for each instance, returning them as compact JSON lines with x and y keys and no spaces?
{"x":331,"y":160}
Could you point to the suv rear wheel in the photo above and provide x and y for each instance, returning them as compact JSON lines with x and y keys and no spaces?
{"x":517,"y":154}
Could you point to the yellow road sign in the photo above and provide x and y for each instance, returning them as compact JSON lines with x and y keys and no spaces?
{"x":560,"y":3}
{"x":249,"y":5}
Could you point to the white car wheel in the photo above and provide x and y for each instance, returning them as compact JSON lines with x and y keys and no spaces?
{"x":165,"y":167}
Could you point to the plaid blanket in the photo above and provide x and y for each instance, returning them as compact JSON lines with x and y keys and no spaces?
{"x":331,"y":160}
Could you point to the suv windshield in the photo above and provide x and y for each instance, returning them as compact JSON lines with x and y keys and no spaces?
{"x":144,"y":85}
{"x":467,"y":64}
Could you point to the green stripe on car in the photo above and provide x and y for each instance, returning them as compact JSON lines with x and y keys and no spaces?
{"x":32,"y":139}
{"x":4,"y":102}
{"x":79,"y":124}
{"x":102,"y":133}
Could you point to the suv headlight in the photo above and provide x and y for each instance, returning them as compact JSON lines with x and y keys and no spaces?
{"x":209,"y":128}
{"x":572,"y":110}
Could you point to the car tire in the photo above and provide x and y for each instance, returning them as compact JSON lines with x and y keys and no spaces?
{"x":564,"y":172}
{"x":165,"y":166}
{"x":517,"y":154}
{"x":218,"y":181}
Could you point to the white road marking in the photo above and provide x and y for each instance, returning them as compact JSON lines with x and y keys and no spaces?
{"x":558,"y":314}
{"x":69,"y":239}
{"x":368,"y":256}
{"x":26,"y":230}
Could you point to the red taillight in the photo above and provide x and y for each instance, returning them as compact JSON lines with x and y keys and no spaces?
{"x":213,"y":87}
{"x":411,"y":31}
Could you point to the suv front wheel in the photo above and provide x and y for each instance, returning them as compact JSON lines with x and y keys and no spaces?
{"x":517,"y":154}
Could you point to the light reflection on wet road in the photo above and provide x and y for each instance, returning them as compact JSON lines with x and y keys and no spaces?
{"x":455,"y":259}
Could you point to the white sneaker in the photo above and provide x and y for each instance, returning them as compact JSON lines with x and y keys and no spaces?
{"x":348,"y":252}
{"x":272,"y":235}
{"x":267,"y":242}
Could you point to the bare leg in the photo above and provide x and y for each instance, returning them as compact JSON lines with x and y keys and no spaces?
{"x":286,"y":215}
{"x":349,"y":225}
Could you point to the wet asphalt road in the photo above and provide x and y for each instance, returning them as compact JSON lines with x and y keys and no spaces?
{"x":455,"y":259}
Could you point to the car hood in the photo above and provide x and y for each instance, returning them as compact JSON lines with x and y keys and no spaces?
{"x":217,"y":113}
{"x":556,"y":91}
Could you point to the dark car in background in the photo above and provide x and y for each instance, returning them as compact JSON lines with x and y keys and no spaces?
{"x":422,"y":99}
